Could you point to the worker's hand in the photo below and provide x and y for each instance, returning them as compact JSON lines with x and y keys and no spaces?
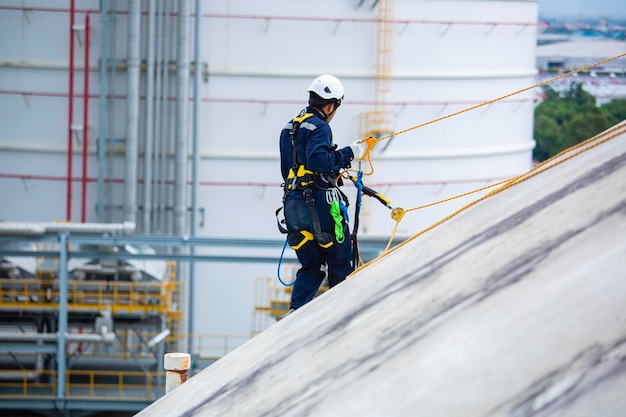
{"x":358,"y":148}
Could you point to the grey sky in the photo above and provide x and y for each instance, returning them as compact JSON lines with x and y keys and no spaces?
{"x":611,"y":9}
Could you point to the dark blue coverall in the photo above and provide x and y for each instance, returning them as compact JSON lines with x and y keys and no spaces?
{"x":314,"y":150}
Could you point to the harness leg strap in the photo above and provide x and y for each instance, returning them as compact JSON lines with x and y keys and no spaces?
{"x":324,"y":239}
{"x":299,"y":239}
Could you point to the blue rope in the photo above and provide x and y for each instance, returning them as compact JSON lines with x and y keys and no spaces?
{"x":357,"y":213}
{"x":280,"y":261}
{"x":359,"y":186}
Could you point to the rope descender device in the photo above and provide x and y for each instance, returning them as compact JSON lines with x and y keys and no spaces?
{"x":370,"y":142}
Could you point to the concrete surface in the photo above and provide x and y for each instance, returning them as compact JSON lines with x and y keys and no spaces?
{"x":514,"y":307}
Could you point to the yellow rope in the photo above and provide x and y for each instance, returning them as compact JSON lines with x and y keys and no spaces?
{"x":544,"y":166}
{"x":505,"y":183}
{"x":576,"y":71}
{"x":441,"y":202}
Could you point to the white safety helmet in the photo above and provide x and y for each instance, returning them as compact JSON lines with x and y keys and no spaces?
{"x":328,"y":87}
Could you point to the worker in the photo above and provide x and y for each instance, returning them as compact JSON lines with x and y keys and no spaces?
{"x":315,"y":209}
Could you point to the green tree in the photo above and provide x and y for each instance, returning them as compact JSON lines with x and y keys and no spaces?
{"x":577,"y":96}
{"x":584,"y":125}
{"x":615,"y":111}
{"x":565,"y":119}
{"x":548,"y":136}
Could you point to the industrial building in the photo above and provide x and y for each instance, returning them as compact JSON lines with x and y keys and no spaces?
{"x":140,"y":169}
{"x":576,"y":52}
{"x":605,"y":82}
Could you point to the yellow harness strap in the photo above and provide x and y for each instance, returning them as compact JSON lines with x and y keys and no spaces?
{"x":306,"y":236}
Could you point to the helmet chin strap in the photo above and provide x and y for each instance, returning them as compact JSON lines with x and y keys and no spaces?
{"x":335,"y":107}
{"x":323,"y":113}
{"x":326,"y":116}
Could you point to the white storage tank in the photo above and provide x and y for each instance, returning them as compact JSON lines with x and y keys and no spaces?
{"x":442,"y":57}
{"x":421,"y":60}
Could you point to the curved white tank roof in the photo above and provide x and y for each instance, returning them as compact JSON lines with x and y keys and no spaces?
{"x":514,"y":307}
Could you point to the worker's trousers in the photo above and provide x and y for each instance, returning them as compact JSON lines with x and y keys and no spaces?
{"x":337,"y":257}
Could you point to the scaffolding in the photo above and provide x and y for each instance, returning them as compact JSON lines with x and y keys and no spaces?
{"x":112,"y":343}
{"x":379,"y":122}
{"x":271,"y":302}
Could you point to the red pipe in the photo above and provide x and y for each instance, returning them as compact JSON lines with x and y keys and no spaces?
{"x":47,"y":9}
{"x":68,"y":215}
{"x":285,"y":101}
{"x":85,"y":121}
{"x":369,"y":20}
{"x":364,"y":102}
{"x":308,"y":18}
{"x":56,"y":94}
{"x":253,"y":184}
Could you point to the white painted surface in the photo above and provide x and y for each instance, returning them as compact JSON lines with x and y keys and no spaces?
{"x":261,"y":58}
{"x":514,"y":307}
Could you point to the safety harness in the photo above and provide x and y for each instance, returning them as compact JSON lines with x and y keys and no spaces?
{"x":298,"y":177}
{"x":301,"y":178}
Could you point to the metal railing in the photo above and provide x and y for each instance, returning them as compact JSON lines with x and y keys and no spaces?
{"x":130,"y":297}
{"x":83,"y":384}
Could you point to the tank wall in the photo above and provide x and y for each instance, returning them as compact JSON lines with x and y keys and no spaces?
{"x":446,"y":56}
{"x":261,"y":57}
